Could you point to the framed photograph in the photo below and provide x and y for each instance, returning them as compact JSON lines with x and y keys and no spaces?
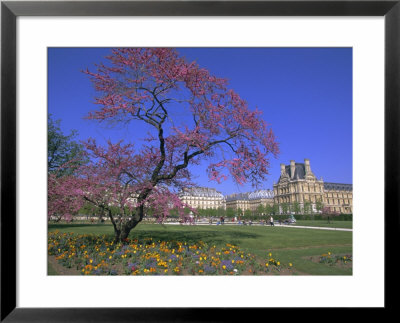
{"x":325,"y":75}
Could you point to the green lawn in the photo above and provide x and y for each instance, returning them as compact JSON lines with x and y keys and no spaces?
{"x":287,"y":244}
{"x":324,"y":223}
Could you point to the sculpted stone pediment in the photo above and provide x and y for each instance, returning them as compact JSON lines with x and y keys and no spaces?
{"x":283,"y":180}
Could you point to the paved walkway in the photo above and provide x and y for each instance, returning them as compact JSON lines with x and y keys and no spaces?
{"x":318,"y":228}
{"x":266,"y":225}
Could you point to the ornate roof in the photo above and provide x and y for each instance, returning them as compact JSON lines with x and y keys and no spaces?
{"x":299,"y":171}
{"x":201,"y":192}
{"x":338,"y":187}
{"x":237,"y":197}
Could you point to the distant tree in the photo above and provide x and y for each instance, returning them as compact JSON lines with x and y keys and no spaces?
{"x":213,"y":213}
{"x":221,"y":212}
{"x":269,"y":209}
{"x":307,"y":208}
{"x":260,"y":210}
{"x":247,"y":214}
{"x":329,"y":214}
{"x":284,"y":208}
{"x":63,"y":198}
{"x":64,"y":157}
{"x":296,"y":207}
{"x":173,"y":213}
{"x":89,"y":210}
{"x":202,"y":212}
{"x":63,"y":152}
{"x":230,"y":212}
{"x":319,"y":206}
{"x":274,"y":209}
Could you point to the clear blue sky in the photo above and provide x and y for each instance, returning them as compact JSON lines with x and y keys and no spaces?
{"x":305,"y":95}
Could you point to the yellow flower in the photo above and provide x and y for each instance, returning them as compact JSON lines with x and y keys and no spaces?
{"x":270,"y":254}
{"x":344,"y":257}
{"x":110,"y":257}
{"x":91,"y":261}
{"x":224,"y":267}
{"x":278,"y":263}
{"x":266,"y":265}
{"x":290,"y":264}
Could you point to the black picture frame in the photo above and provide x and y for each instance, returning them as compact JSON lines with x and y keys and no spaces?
{"x":10,"y":10}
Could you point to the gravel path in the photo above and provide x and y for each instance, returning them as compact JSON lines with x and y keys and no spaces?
{"x":264,"y":225}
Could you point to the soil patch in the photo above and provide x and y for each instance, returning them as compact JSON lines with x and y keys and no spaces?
{"x":60,"y":269}
{"x":343,"y":261}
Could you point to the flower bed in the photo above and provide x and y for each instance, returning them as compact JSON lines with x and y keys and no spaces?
{"x":99,"y":255}
{"x":330,"y":259}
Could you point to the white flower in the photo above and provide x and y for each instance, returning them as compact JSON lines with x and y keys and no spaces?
{"x":235,"y":270}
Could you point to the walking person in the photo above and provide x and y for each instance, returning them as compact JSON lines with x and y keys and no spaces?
{"x":272,"y":222}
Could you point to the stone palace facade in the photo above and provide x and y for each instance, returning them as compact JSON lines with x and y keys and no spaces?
{"x":297,"y":184}
{"x":203,"y":198}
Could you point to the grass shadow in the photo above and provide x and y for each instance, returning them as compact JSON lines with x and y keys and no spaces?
{"x":166,"y":233}
{"x":75,"y":225}
{"x":207,"y":236}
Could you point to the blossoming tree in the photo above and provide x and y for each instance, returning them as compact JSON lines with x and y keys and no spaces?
{"x":191,"y":116}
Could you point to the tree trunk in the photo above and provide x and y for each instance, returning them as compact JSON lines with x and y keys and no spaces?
{"x":122,"y":235}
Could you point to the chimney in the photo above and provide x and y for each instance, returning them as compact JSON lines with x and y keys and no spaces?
{"x":282,"y":169}
{"x":292,"y":168}
{"x":307,"y":165}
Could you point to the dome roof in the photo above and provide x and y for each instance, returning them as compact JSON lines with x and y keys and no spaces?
{"x":261,"y":194}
